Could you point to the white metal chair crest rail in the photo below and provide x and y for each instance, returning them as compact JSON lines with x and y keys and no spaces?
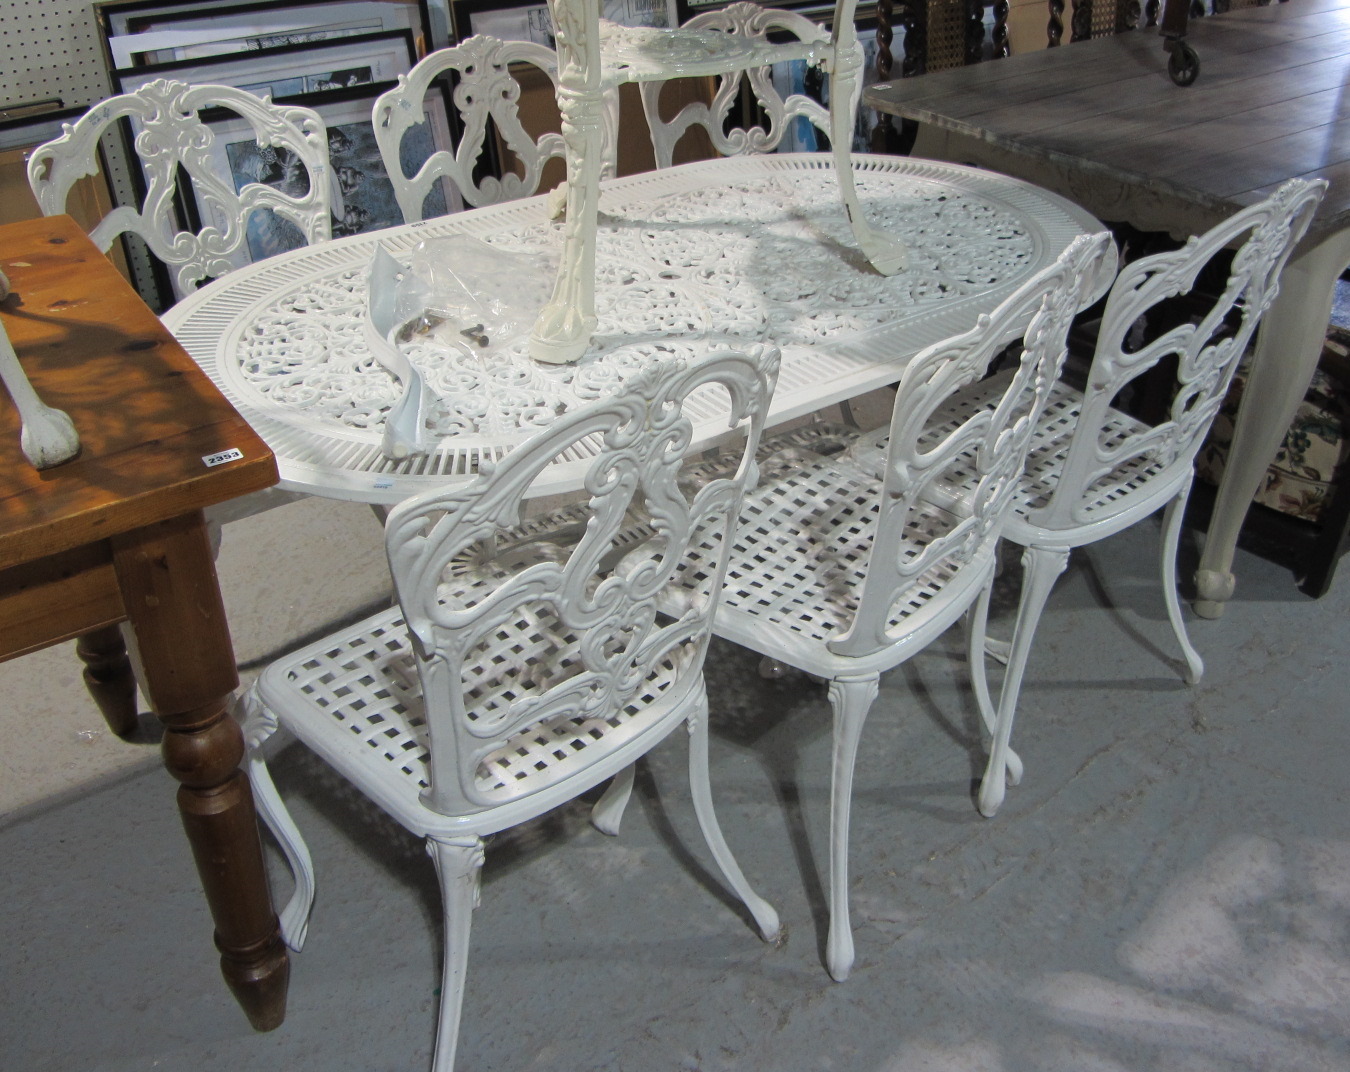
{"x":521,"y":669}
{"x":169,"y":134}
{"x":1094,"y":469}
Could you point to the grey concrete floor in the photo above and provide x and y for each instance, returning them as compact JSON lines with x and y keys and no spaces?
{"x":1168,"y":889}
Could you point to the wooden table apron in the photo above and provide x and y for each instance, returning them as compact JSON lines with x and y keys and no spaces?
{"x":117,"y":535}
{"x":716,"y":254}
{"x":1101,"y":123}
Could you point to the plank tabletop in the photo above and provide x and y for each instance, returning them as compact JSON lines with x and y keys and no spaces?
{"x":147,"y":416}
{"x":1269,"y":105}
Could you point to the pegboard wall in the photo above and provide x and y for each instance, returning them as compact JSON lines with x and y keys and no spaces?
{"x":51,"y":49}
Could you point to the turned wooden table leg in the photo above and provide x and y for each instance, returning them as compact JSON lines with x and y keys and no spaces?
{"x":109,"y":678}
{"x":168,"y":582}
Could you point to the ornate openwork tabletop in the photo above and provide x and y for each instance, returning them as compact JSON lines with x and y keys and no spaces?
{"x":722,"y":253}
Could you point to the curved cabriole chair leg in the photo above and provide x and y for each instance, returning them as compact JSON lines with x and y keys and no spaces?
{"x":766,"y":919}
{"x":1041,"y":567}
{"x":851,"y":699}
{"x":459,"y":863}
{"x":258,"y":726}
{"x":1172,"y":518}
{"x":977,"y":648}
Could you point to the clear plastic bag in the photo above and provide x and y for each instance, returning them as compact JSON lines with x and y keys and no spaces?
{"x":455,"y":292}
{"x":462,"y":293}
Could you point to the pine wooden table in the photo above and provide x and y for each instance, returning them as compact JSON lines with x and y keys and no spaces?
{"x":1100,"y":122}
{"x":117,"y":535}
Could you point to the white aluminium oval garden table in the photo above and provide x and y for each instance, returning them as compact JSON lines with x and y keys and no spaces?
{"x":716,"y":254}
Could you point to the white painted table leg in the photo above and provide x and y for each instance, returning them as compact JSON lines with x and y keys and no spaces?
{"x":563,"y":330}
{"x":1287,"y":348}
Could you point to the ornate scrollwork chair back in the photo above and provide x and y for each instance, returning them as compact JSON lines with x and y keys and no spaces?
{"x":170,"y":135}
{"x":1206,"y":349}
{"x":486,"y":94}
{"x":526,"y":663}
{"x":845,"y":572}
{"x":1095,"y":469}
{"x":755,"y":23}
{"x":593,"y":659}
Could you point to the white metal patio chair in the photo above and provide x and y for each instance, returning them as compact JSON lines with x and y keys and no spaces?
{"x":522,"y":666}
{"x":170,"y":134}
{"x":845,"y":574}
{"x":486,"y":96}
{"x":1093,"y":469}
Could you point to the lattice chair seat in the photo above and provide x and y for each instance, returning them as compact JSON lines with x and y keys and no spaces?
{"x":486,"y":95}
{"x":528,"y":662}
{"x":171,"y":139}
{"x":1094,"y":469}
{"x":845,"y":574}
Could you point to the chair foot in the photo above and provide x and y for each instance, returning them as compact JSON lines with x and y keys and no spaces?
{"x":992,"y":791}
{"x":839,"y":950}
{"x":607,"y":813}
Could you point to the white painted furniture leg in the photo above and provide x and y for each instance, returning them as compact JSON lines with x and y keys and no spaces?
{"x":1172,"y":518}
{"x":47,"y":436}
{"x":607,"y":813}
{"x":886,"y":254}
{"x":850,"y":698}
{"x":978,"y":643}
{"x":1041,"y":567}
{"x":258,"y":725}
{"x":1287,"y":348}
{"x":563,"y":330}
{"x":459,"y":863}
{"x":766,"y":919}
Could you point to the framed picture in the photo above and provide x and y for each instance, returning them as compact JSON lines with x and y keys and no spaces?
{"x":140,"y":32}
{"x":90,"y":199}
{"x":513,"y":21}
{"x":31,"y":108}
{"x":363,"y":194}
{"x":289,"y":70}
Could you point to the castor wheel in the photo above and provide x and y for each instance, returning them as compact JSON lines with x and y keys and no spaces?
{"x":1183,"y":65}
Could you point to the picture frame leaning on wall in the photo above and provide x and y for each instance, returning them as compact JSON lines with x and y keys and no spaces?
{"x":141,"y":32}
{"x":362,"y":193}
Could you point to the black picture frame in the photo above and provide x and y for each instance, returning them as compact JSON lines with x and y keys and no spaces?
{"x":122,"y":21}
{"x":497,"y":17}
{"x":288,"y":70}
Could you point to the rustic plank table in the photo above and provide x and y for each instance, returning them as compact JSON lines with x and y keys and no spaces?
{"x":117,"y":535}
{"x":1101,"y":123}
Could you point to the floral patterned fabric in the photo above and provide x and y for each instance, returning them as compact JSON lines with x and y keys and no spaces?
{"x":1300,"y":480}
